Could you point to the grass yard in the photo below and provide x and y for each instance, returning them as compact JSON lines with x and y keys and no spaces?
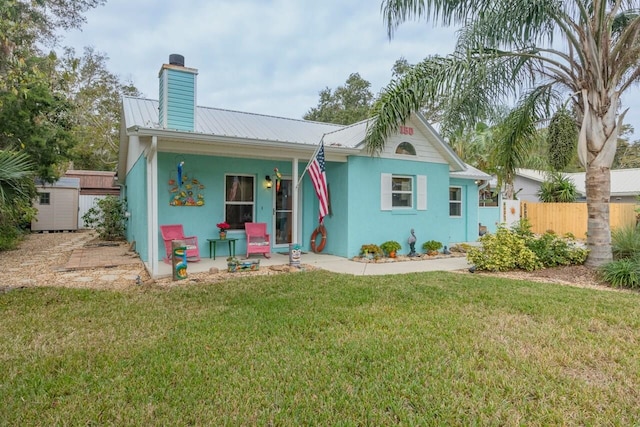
{"x":318,"y":348}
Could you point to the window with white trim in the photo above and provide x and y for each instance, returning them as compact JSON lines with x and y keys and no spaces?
{"x":403,"y":192}
{"x":455,"y":201}
{"x":45,"y":198}
{"x":239,"y":200}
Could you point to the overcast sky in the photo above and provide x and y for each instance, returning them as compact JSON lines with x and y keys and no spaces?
{"x":261,"y":56}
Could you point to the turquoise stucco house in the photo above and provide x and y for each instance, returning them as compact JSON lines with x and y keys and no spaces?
{"x":226,"y":158}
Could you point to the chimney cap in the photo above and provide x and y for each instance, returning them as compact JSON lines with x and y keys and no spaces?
{"x":176,"y":59}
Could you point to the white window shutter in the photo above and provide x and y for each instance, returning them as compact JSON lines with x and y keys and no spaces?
{"x":422,"y":193}
{"x":385,"y":192}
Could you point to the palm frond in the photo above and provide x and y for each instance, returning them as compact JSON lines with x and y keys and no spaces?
{"x":403,"y":97}
{"x":519,"y":128}
{"x":16,"y":176}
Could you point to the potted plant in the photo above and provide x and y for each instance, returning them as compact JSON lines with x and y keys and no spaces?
{"x":370,"y":250}
{"x":223,"y":227}
{"x":390,"y":247}
{"x":431,"y":247}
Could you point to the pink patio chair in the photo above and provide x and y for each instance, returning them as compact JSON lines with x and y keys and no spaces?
{"x":258,"y":241}
{"x":176,"y":232}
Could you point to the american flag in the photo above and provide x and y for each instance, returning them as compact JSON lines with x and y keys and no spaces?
{"x":319,"y":180}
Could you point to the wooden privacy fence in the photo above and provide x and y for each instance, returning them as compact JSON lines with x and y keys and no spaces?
{"x":565,"y":218}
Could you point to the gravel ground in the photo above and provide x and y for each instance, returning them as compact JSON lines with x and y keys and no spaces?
{"x":41,"y":260}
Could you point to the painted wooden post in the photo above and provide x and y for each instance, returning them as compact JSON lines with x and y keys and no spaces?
{"x":178,"y":260}
{"x":294,"y":255}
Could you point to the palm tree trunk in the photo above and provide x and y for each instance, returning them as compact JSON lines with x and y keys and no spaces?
{"x":598,"y":184}
{"x":597,"y":145}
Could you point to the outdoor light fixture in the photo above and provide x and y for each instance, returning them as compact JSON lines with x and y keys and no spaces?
{"x":267,"y":181}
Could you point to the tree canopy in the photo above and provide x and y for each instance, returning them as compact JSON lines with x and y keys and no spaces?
{"x":95,"y":93}
{"x":40,"y":108}
{"x":543,"y":53}
{"x":345,"y":105}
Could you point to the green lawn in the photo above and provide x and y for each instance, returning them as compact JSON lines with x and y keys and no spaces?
{"x":322,"y":349}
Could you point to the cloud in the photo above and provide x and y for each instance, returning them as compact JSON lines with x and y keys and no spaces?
{"x":261,"y":56}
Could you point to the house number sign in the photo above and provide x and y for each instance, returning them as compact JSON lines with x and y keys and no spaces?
{"x":406,"y":130}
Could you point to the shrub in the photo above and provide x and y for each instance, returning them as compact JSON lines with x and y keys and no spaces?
{"x":371,"y":248}
{"x":431,"y":245}
{"x":108,"y":218}
{"x":623,"y":273}
{"x":553,"y":251}
{"x":625,"y":242}
{"x":460,"y":247}
{"x":503,"y":251}
{"x":557,"y":189}
{"x":390,"y":246}
{"x":9,"y":237}
{"x":522,"y":228}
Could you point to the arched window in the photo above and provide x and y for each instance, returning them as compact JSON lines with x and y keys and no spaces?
{"x":406,"y":148}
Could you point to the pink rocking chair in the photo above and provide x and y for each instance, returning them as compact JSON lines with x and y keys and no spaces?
{"x":176,"y":232}
{"x":258,"y":241}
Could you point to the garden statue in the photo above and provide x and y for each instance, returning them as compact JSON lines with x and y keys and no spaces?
{"x":412,"y":244}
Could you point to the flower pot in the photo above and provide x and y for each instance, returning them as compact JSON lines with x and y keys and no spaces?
{"x":392,"y":254}
{"x":223,"y":235}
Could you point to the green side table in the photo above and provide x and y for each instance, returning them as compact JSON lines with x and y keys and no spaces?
{"x":213,"y":242}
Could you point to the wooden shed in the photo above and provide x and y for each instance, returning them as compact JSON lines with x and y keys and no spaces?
{"x":94,"y":185}
{"x":57,"y":205}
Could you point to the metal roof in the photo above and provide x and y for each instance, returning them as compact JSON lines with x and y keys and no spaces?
{"x":62,"y":182}
{"x":95,"y":182}
{"x":471,"y":173}
{"x":143,"y":113}
{"x":624,"y":182}
{"x":234,"y":124}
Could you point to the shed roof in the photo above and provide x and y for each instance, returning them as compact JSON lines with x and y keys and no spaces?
{"x":95,"y":182}
{"x":62,"y":182}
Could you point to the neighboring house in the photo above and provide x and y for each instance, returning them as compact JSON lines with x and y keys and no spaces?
{"x":57,"y":205}
{"x":94,"y":185}
{"x":223,"y":159}
{"x":625,"y":184}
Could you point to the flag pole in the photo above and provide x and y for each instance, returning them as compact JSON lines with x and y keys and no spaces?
{"x":315,"y":153}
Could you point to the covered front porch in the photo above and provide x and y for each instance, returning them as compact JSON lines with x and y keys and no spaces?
{"x":214,"y":166}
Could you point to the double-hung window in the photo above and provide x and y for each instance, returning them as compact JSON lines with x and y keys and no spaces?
{"x":403,"y":192}
{"x":239,"y":200}
{"x":455,"y":201}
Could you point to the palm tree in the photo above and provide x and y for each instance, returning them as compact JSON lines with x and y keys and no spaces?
{"x":17,"y":189}
{"x":509,"y":49}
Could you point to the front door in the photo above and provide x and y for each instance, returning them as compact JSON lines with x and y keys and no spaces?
{"x":283,"y":212}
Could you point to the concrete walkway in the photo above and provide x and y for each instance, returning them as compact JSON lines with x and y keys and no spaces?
{"x":333,"y":263}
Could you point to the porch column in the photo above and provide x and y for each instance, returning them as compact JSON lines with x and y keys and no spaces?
{"x":152,"y":206}
{"x":296,"y":196}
